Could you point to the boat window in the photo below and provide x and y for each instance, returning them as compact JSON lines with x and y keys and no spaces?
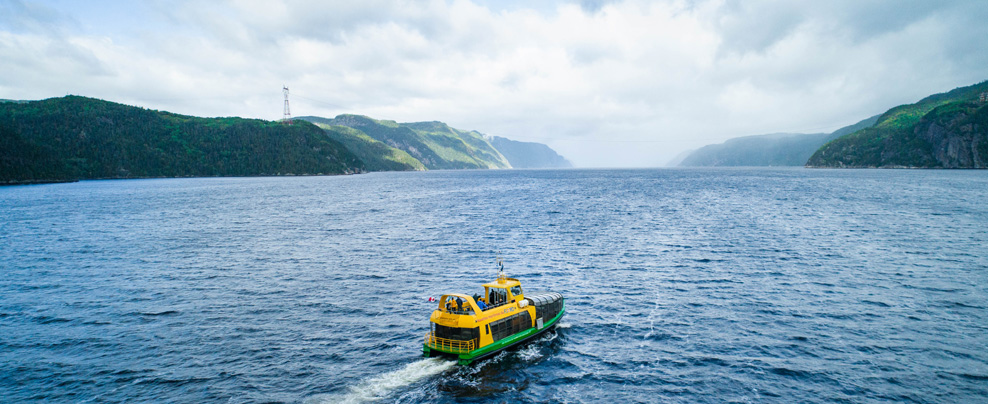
{"x":516,"y":290}
{"x":509,"y":326}
{"x":547,"y":306}
{"x":498,"y":296}
{"x":455,"y":333}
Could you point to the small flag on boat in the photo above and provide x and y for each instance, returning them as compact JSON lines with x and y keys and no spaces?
{"x":432,"y":299}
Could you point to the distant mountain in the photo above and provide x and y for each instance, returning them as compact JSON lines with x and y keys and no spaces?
{"x":528,"y":154}
{"x":947,"y":130}
{"x":676,"y":161}
{"x":778,"y":149}
{"x":71,"y":138}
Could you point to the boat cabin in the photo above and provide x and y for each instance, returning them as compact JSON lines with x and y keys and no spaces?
{"x":502,"y":291}
{"x":498,"y":293}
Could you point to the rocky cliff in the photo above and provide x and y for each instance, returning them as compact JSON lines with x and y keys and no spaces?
{"x":945,"y":130}
{"x":957,"y":135}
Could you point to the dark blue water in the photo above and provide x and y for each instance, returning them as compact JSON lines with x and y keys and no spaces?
{"x":744,"y":285}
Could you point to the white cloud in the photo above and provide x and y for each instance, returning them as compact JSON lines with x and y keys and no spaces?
{"x":625,"y":83}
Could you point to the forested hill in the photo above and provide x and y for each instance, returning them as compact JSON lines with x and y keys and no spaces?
{"x":948,"y":130}
{"x":71,"y":138}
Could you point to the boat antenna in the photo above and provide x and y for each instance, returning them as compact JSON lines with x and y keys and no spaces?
{"x":500,"y":267}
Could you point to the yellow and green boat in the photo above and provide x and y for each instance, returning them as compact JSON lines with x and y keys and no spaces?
{"x":471,"y":328}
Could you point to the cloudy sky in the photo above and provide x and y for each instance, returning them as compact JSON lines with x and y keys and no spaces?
{"x":605,"y":83}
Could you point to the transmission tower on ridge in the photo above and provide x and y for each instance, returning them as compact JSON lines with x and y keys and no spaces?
{"x":288,"y":112}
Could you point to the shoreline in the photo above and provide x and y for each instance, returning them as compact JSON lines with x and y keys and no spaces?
{"x":33,"y":182}
{"x":39,"y":182}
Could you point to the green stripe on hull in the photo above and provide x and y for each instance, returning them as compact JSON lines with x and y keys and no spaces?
{"x":468,"y":357}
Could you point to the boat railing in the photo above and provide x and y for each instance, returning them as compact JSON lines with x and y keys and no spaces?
{"x":470,"y":312}
{"x":494,"y":306}
{"x":448,"y":345}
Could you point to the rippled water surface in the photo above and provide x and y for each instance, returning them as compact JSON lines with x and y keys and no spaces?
{"x":743,"y":285}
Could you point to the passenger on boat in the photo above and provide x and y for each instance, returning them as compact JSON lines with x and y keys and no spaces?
{"x":498,"y":297}
{"x":480,"y":303}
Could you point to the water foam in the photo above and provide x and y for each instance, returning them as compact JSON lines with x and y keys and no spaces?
{"x":379,"y":387}
{"x":530,"y":353}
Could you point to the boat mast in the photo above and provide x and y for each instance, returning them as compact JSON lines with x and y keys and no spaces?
{"x":500,"y":269}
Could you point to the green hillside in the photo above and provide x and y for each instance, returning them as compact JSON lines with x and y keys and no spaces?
{"x":74,"y":137}
{"x":470,"y":147}
{"x":940,"y":131}
{"x":436,"y":145}
{"x":376,"y":156}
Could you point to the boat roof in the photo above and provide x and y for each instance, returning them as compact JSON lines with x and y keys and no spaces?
{"x":503,"y":283}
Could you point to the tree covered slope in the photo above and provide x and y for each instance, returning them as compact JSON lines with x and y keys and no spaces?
{"x":74,"y":137}
{"x":434,"y":144}
{"x":376,"y":155}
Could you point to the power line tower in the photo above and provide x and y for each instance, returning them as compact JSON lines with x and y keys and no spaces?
{"x":288,"y":112}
